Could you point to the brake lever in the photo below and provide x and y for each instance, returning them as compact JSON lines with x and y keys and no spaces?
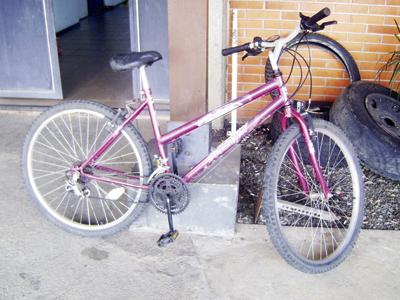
{"x":255,"y":51}
{"x":251,"y":52}
{"x":323,"y":25}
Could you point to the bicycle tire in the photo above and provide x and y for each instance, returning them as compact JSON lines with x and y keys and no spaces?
{"x":326,"y":44}
{"x":67,"y":134}
{"x":294,"y":219}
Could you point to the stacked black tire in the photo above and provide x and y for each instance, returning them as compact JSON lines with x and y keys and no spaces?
{"x":369,"y":114}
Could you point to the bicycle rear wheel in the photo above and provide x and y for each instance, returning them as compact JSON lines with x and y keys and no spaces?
{"x":311,"y":233}
{"x":66,"y":135}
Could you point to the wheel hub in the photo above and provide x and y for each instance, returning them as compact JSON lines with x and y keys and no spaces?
{"x":385,"y":111}
{"x":76,"y":185}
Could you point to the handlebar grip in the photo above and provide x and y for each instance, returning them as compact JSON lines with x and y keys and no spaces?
{"x":323,"y":13}
{"x":231,"y":50}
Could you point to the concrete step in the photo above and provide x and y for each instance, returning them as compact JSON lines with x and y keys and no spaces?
{"x":213,"y":202}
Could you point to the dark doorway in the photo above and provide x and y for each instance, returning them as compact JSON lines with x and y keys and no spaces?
{"x":85,"y":50}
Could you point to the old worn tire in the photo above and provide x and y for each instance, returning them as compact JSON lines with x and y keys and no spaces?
{"x":376,"y":151}
{"x":325,"y":43}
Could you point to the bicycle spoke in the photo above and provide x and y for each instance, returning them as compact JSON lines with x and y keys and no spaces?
{"x":51,"y":147}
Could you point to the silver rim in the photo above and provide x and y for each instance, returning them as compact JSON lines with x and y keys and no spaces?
{"x":67,"y":138}
{"x":318,"y":230}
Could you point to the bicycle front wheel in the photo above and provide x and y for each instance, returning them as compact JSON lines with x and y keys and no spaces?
{"x":65,"y":136}
{"x":312,"y":233}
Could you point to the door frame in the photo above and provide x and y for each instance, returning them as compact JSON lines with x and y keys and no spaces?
{"x":56,"y":89}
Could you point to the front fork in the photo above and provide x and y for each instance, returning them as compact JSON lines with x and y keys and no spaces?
{"x":292,"y":113}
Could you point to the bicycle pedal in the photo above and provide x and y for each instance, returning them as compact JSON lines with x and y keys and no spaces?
{"x":167,"y":238}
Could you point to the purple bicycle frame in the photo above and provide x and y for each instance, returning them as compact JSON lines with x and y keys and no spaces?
{"x":224,"y":147}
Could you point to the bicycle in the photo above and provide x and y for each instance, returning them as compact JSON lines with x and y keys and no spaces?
{"x":88,"y":169}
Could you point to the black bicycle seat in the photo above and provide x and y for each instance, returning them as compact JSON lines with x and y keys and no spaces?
{"x":123,"y":62}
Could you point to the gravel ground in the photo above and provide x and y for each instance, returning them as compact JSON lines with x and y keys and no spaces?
{"x":382,"y":195}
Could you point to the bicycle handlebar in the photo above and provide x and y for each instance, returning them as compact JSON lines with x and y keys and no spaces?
{"x":236,"y":49}
{"x":306,"y":23}
{"x":323,"y":13}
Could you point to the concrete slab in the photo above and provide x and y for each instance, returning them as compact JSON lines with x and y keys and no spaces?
{"x":212,"y":211}
{"x":40,"y":261}
{"x":213,"y":203}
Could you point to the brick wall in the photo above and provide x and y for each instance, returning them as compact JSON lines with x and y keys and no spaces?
{"x":365,"y":28}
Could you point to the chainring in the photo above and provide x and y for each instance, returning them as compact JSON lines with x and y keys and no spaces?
{"x":171,"y":186}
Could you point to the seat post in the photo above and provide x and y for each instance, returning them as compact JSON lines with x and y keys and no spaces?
{"x":143,"y":78}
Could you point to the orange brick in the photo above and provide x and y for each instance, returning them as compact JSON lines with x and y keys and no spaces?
{"x":319,"y":81}
{"x":368,"y":75}
{"x":370,"y":38}
{"x":245,"y":114}
{"x":366,"y":65}
{"x":241,"y":13}
{"x":280,"y":24}
{"x":323,"y":73}
{"x":317,"y":63}
{"x":379,"y":48}
{"x":337,"y":82}
{"x":340,"y":37}
{"x":390,"y":21}
{"x":253,"y":69}
{"x":240,"y":33}
{"x":290,"y":15}
{"x":250,"y":33}
{"x":249,"y":78}
{"x":369,"y":1}
{"x":382,"y":29}
{"x":350,"y":28}
{"x":282,"y":5}
{"x":383,"y":57}
{"x":389,"y":39}
{"x":341,"y":1}
{"x":384,"y":10}
{"x":256,"y":105}
{"x":353,"y":46}
{"x":334,"y":64}
{"x":263,"y":14}
{"x":349,"y":8}
{"x":311,"y":7}
{"x":367,"y":19}
{"x":326,"y":91}
{"x":247,"y":4}
{"x":250,"y":24}
{"x":247,"y":86}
